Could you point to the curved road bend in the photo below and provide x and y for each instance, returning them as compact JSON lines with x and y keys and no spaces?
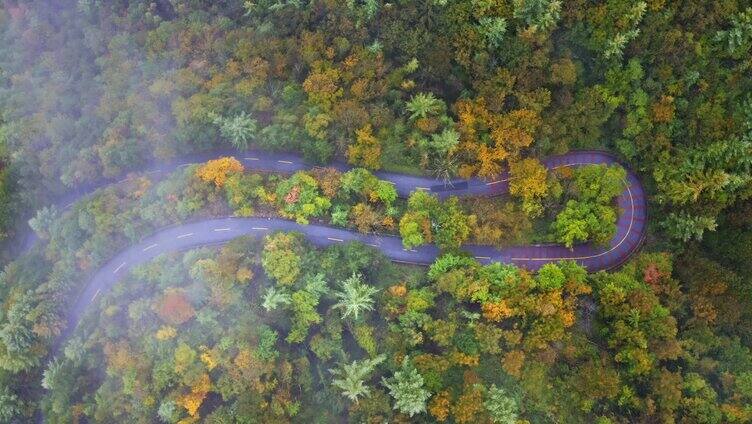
{"x":630,"y":227}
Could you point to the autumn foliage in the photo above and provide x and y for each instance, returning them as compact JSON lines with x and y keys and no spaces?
{"x":218,"y":170}
{"x":366,"y":151}
{"x":174,"y":308}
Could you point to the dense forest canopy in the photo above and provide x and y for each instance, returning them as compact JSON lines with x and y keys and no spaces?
{"x":93,"y":93}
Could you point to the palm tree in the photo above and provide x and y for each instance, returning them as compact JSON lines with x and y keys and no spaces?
{"x":273,"y":298}
{"x":355,"y":297}
{"x":423,"y":104}
{"x":239,"y":129}
{"x":444,"y":168}
{"x":352,"y":377}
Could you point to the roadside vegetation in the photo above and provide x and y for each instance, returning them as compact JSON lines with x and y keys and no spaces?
{"x":274,"y":331}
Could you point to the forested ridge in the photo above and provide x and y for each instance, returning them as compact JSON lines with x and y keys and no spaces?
{"x":93,"y":90}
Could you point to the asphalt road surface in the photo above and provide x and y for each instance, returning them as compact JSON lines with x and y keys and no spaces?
{"x":629,"y":234}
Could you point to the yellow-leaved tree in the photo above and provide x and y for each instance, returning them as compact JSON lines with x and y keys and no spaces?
{"x":366,"y":151}
{"x":218,"y":170}
{"x":528,"y":181}
{"x":192,"y":401}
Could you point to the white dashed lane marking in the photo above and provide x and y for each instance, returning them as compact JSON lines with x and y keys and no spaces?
{"x":185,"y":235}
{"x":95,"y":295}
{"x":286,"y":162}
{"x":221,"y":229}
{"x":118,"y":268}
{"x":150,"y":247}
{"x":259,"y":228}
{"x":334,"y":239}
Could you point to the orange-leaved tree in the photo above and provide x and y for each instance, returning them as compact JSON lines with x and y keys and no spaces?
{"x":175,"y":308}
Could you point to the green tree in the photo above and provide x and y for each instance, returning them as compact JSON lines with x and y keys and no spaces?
{"x":239,"y":129}
{"x":8,"y":195}
{"x":362,"y":184}
{"x":350,"y":378}
{"x":303,"y":304}
{"x":356,"y":297}
{"x":241,"y":191}
{"x":427,"y":220}
{"x":685,"y":227}
{"x":423,"y":105}
{"x":738,"y":38}
{"x":599,"y":183}
{"x":17,"y":337}
{"x":636,"y":325}
{"x":299,"y":197}
{"x":411,"y":228}
{"x":444,"y":142}
{"x":581,"y":221}
{"x":501,"y":407}
{"x":168,"y":411}
{"x":274,"y":297}
{"x":407,"y":389}
{"x":317,"y":285}
{"x":550,"y":277}
{"x":340,"y":214}
{"x":267,"y":341}
{"x":43,"y":222}
{"x":493,"y":29}
{"x":281,"y":257}
{"x":538,"y":15}
{"x":416,"y":223}
{"x":10,"y":405}
{"x":452,"y":225}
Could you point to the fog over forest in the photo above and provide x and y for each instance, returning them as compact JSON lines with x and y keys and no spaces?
{"x":370,"y":211}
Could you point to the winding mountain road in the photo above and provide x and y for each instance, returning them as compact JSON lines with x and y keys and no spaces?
{"x":629,"y":234}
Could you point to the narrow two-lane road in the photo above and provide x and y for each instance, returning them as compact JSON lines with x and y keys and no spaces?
{"x":630,"y":226}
